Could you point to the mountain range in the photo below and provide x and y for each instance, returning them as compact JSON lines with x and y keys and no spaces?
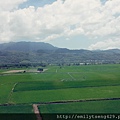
{"x":36,"y":52}
{"x":26,"y":46}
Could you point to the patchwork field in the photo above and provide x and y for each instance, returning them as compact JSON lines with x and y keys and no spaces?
{"x":96,"y":88}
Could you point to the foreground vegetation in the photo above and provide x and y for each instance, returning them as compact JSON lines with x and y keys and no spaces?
{"x":83,"y":107}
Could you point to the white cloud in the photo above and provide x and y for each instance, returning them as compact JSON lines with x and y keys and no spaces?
{"x":6,"y":5}
{"x":68,"y":18}
{"x":107,"y":44}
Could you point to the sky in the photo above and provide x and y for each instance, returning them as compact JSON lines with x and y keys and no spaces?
{"x":72,"y":24}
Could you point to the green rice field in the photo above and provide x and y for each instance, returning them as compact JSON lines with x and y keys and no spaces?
{"x":100,"y":83}
{"x":83,"y":107}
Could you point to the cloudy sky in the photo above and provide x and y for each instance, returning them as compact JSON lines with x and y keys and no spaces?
{"x":75,"y":24}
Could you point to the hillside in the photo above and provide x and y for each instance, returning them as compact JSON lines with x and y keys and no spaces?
{"x":26,"y":46}
{"x":39,"y":52}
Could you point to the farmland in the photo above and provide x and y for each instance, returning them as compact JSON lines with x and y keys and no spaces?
{"x":83,"y":107}
{"x":75,"y":88}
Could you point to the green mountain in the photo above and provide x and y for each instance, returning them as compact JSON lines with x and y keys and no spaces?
{"x":26,"y":46}
{"x":39,"y":52}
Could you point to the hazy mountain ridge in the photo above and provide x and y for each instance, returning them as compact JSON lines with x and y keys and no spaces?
{"x":21,"y":52}
{"x":26,"y":46}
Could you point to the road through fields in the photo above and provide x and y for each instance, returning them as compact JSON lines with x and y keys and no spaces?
{"x":36,"y":111}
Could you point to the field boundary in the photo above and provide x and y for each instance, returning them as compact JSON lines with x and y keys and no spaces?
{"x":71,"y":76}
{"x":62,"y":102}
{"x":84,"y":100}
{"x":11,"y":92}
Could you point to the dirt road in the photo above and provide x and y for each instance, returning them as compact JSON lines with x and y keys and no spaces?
{"x":36,"y":111}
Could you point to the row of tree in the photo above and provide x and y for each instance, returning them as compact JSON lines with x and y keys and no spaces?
{"x":20,"y":65}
